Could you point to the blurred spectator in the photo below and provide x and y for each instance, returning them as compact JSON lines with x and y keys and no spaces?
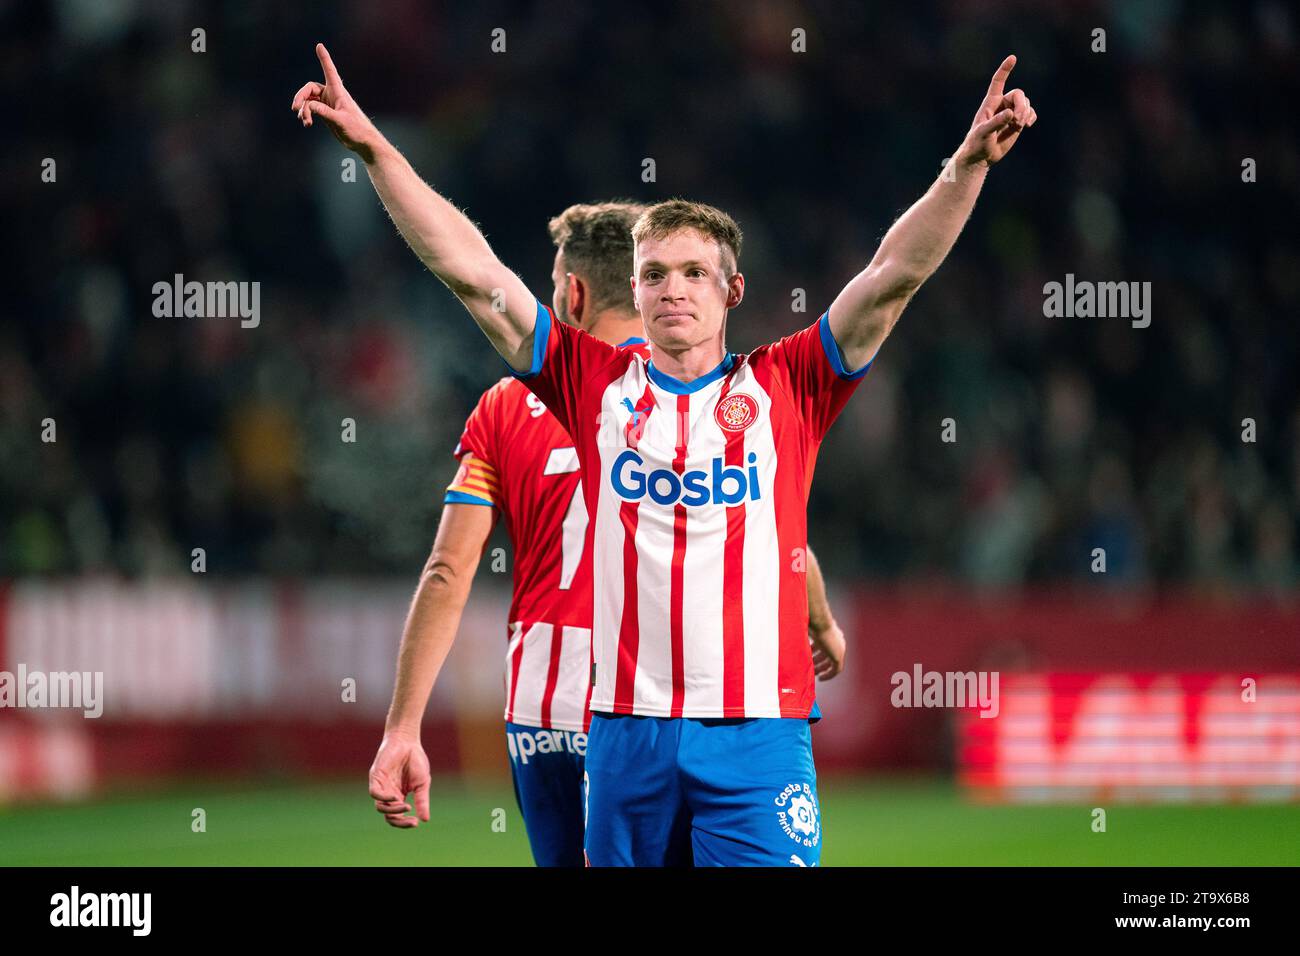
{"x":1072,"y":434}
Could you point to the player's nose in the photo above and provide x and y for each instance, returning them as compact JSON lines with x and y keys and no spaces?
{"x":672,"y":289}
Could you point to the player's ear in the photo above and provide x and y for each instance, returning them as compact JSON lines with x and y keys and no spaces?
{"x":735,"y":290}
{"x":577,"y":298}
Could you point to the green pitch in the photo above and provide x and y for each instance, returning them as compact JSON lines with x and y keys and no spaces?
{"x":867,"y":822}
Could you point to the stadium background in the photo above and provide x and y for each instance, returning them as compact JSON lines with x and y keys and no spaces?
{"x":1121,"y":689}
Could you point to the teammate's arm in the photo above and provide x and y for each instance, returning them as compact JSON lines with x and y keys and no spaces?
{"x":863,"y":314}
{"x":827,"y":638}
{"x":445,"y":240}
{"x":401,"y":766}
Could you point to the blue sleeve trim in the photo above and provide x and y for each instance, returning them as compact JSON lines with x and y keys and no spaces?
{"x":464,"y":498}
{"x":541,"y":336}
{"x":833,"y":353}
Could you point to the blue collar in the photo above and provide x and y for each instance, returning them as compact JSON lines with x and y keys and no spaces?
{"x":632,"y":341}
{"x":678,"y":387}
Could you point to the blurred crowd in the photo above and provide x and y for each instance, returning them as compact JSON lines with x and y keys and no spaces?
{"x":1071,"y":434}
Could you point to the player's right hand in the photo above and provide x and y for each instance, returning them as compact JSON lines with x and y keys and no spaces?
{"x":331,"y":102}
{"x":999,"y":121}
{"x":400,"y":767}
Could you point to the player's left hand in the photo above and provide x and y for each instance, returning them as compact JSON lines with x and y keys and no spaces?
{"x":400,"y":767}
{"x":999,"y":121}
{"x":828,"y":650}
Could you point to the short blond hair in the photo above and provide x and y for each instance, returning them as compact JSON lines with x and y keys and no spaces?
{"x":595,"y":240}
{"x":674,"y":215}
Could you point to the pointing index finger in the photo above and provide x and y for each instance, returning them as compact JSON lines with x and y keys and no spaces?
{"x":999,"y":80}
{"x":331,"y":74}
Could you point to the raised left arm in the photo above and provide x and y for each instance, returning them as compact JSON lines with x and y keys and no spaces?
{"x":863,"y":314}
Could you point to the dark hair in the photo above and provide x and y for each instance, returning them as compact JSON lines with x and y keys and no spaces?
{"x":595,"y":240}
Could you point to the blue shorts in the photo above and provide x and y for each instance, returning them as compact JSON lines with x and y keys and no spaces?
{"x":675,"y":791}
{"x":546,"y":766}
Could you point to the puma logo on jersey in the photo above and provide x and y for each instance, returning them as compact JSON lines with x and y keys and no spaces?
{"x":635,"y":426}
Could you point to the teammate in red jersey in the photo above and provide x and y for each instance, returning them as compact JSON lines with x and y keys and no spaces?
{"x":517,"y":461}
{"x":672,"y":780}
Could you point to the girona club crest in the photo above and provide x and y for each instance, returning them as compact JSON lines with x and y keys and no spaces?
{"x":736,"y":412}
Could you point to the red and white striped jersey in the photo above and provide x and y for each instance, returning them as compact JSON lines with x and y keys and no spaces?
{"x":515,"y":456}
{"x":698,"y":494}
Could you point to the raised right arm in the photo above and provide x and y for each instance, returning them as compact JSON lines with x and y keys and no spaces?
{"x":440,"y":234}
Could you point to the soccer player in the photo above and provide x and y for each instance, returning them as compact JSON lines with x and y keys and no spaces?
{"x":516,"y":461}
{"x":697,"y":464}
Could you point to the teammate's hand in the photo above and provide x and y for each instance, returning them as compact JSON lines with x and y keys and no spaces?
{"x":828,"y":650}
{"x":331,"y":102}
{"x":400,"y":767}
{"x":999,"y":120}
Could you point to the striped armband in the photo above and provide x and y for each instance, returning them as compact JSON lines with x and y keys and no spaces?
{"x":475,"y":484}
